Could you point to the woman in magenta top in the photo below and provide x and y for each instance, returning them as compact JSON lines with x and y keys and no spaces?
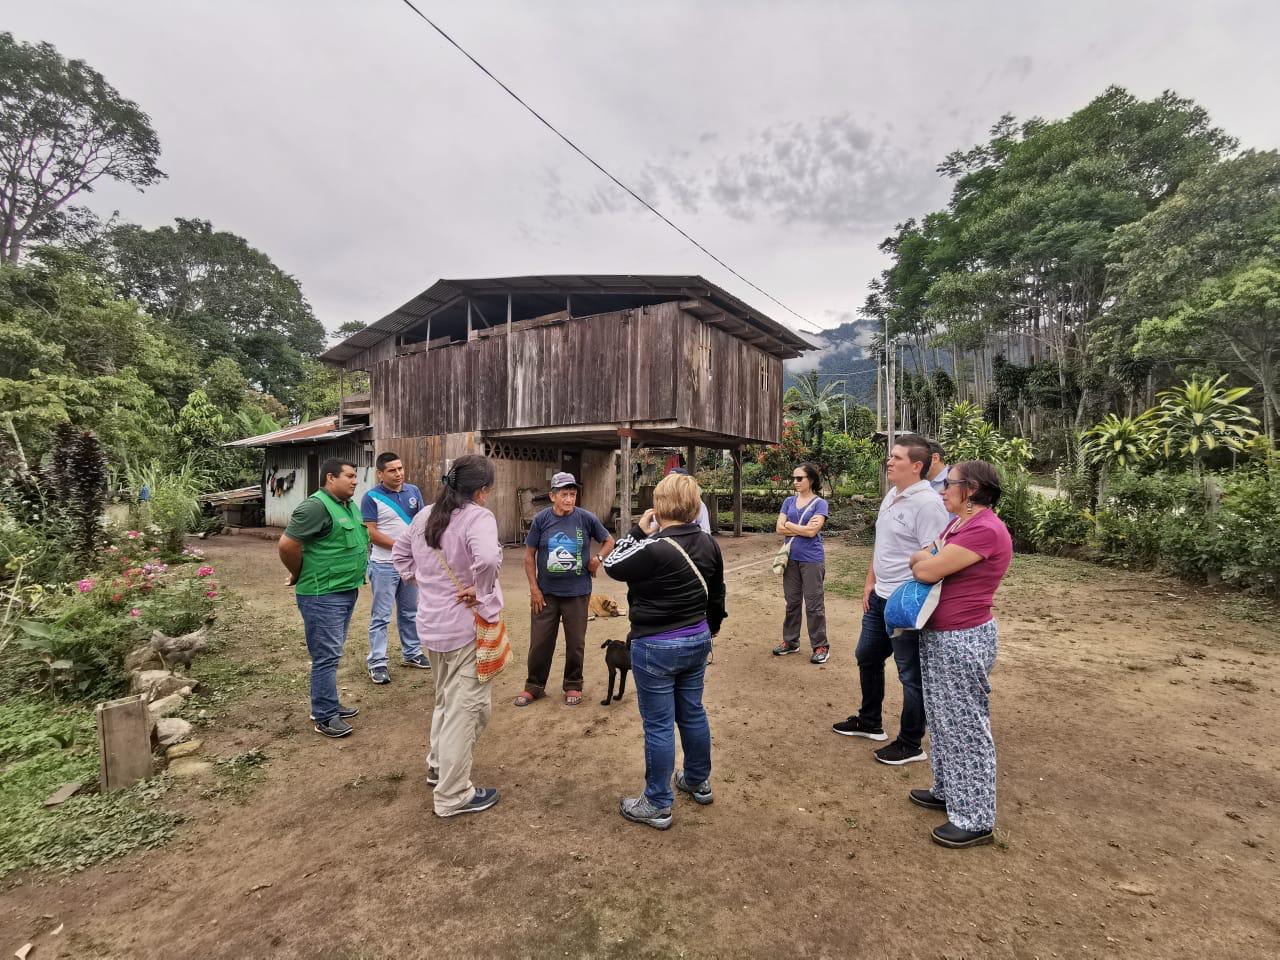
{"x":957,"y":652}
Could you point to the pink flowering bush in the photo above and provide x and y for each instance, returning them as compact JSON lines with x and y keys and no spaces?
{"x":77,"y":647}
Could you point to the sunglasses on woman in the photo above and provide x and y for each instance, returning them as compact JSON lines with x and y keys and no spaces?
{"x":798,"y":477}
{"x":953,"y":483}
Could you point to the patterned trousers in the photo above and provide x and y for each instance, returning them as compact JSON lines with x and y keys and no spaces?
{"x":954,"y":665}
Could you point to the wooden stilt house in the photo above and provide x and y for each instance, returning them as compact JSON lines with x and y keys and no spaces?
{"x":568,"y":373}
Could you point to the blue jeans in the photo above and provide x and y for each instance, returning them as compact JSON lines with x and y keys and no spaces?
{"x":668,"y":677}
{"x":874,"y":647}
{"x":325,"y":619}
{"x":390,"y":591}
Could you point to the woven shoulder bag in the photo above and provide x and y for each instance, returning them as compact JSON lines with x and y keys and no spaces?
{"x":493,"y":649}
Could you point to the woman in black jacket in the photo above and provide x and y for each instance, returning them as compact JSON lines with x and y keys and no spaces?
{"x":675,"y":596}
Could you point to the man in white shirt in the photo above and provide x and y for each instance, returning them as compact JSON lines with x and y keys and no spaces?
{"x":704,"y":518}
{"x":911,"y":517}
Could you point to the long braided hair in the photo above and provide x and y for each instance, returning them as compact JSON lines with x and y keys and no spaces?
{"x":467,"y":475}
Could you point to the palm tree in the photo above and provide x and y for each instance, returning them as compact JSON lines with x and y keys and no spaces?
{"x":1201,"y":415}
{"x":1118,"y":442}
{"x":811,"y":405}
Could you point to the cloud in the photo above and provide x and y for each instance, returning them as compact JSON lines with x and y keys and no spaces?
{"x":832,"y":172}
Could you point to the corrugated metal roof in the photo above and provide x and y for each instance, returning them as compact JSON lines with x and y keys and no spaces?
{"x":313,"y":431}
{"x":445,"y":292}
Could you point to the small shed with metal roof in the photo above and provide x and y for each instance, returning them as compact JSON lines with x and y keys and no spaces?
{"x":292,"y":458}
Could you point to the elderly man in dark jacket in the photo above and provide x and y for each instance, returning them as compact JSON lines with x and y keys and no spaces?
{"x":675,"y":596}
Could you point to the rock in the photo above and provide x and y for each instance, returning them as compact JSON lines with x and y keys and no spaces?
{"x":169,"y":730}
{"x":1137,"y":889}
{"x":157,"y":683}
{"x":183,"y":749}
{"x":63,"y":794}
{"x":143,"y":658}
{"x":191,"y":768}
{"x":165,"y":706}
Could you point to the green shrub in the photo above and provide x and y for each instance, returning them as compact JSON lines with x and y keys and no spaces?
{"x":75,"y":647}
{"x":1060,"y":526}
{"x":1018,"y":507}
{"x":1249,"y":531}
{"x":43,"y":746}
{"x":172,"y":502}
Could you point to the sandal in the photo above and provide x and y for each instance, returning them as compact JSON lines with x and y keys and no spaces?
{"x":527,"y":698}
{"x":572,"y":698}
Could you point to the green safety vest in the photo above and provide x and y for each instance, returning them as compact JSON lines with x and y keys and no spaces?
{"x":338,"y":562}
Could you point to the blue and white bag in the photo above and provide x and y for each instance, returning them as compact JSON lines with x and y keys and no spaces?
{"x":911,"y":606}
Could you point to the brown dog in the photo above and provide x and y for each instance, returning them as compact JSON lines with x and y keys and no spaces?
{"x":617,"y":657}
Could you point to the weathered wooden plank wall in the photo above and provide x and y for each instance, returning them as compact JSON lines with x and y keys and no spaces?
{"x":599,"y":482}
{"x":726,"y":385}
{"x":424,"y":458}
{"x":646,"y":364}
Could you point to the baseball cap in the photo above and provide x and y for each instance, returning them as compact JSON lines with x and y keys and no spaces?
{"x":562,"y":480}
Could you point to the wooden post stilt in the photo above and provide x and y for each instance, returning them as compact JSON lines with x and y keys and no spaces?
{"x":624,"y":482}
{"x":737,"y":491}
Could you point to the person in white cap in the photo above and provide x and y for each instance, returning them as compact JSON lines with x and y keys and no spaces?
{"x":559,"y":565}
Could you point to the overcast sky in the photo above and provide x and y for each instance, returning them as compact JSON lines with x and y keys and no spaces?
{"x":349,"y":142}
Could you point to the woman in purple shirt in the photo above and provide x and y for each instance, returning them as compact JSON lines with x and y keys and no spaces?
{"x":458,"y":531}
{"x":957,"y":652}
{"x":801,"y":520}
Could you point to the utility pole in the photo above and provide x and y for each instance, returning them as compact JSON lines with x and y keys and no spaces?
{"x":879,"y":387}
{"x":889,"y":400}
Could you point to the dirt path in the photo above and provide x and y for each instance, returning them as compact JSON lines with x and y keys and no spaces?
{"x":1139,"y":803}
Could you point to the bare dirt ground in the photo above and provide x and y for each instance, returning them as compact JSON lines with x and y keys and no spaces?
{"x":1139,"y":801}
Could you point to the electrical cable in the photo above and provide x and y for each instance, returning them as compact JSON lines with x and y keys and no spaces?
{"x":582,"y":153}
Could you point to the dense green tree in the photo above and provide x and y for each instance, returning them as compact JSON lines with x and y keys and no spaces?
{"x":1018,"y":263}
{"x":225,"y":385}
{"x":1199,"y":277}
{"x":72,"y":350}
{"x":63,"y":129}
{"x":223,"y":296}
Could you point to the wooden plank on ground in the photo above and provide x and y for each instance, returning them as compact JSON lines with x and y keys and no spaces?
{"x":124,"y":742}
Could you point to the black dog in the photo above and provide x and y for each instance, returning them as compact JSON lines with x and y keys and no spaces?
{"x":617,"y":657}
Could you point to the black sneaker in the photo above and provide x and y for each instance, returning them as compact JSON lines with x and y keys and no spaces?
{"x":433,"y":776}
{"x":485,"y":798}
{"x":701,"y":792}
{"x":898,"y":753}
{"x":926,"y":799}
{"x":380,"y":675}
{"x":782,"y":649}
{"x":420,"y":661}
{"x":857,"y":727}
{"x":334,"y":727}
{"x":949,"y":835}
{"x":346,"y":713}
{"x":820,"y":655}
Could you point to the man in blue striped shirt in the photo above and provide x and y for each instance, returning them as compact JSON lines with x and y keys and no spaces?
{"x":387,"y":510}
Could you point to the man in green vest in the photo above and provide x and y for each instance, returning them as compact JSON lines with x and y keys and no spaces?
{"x":325,"y":548}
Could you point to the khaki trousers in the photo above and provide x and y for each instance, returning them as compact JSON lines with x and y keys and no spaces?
{"x":462,"y":708}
